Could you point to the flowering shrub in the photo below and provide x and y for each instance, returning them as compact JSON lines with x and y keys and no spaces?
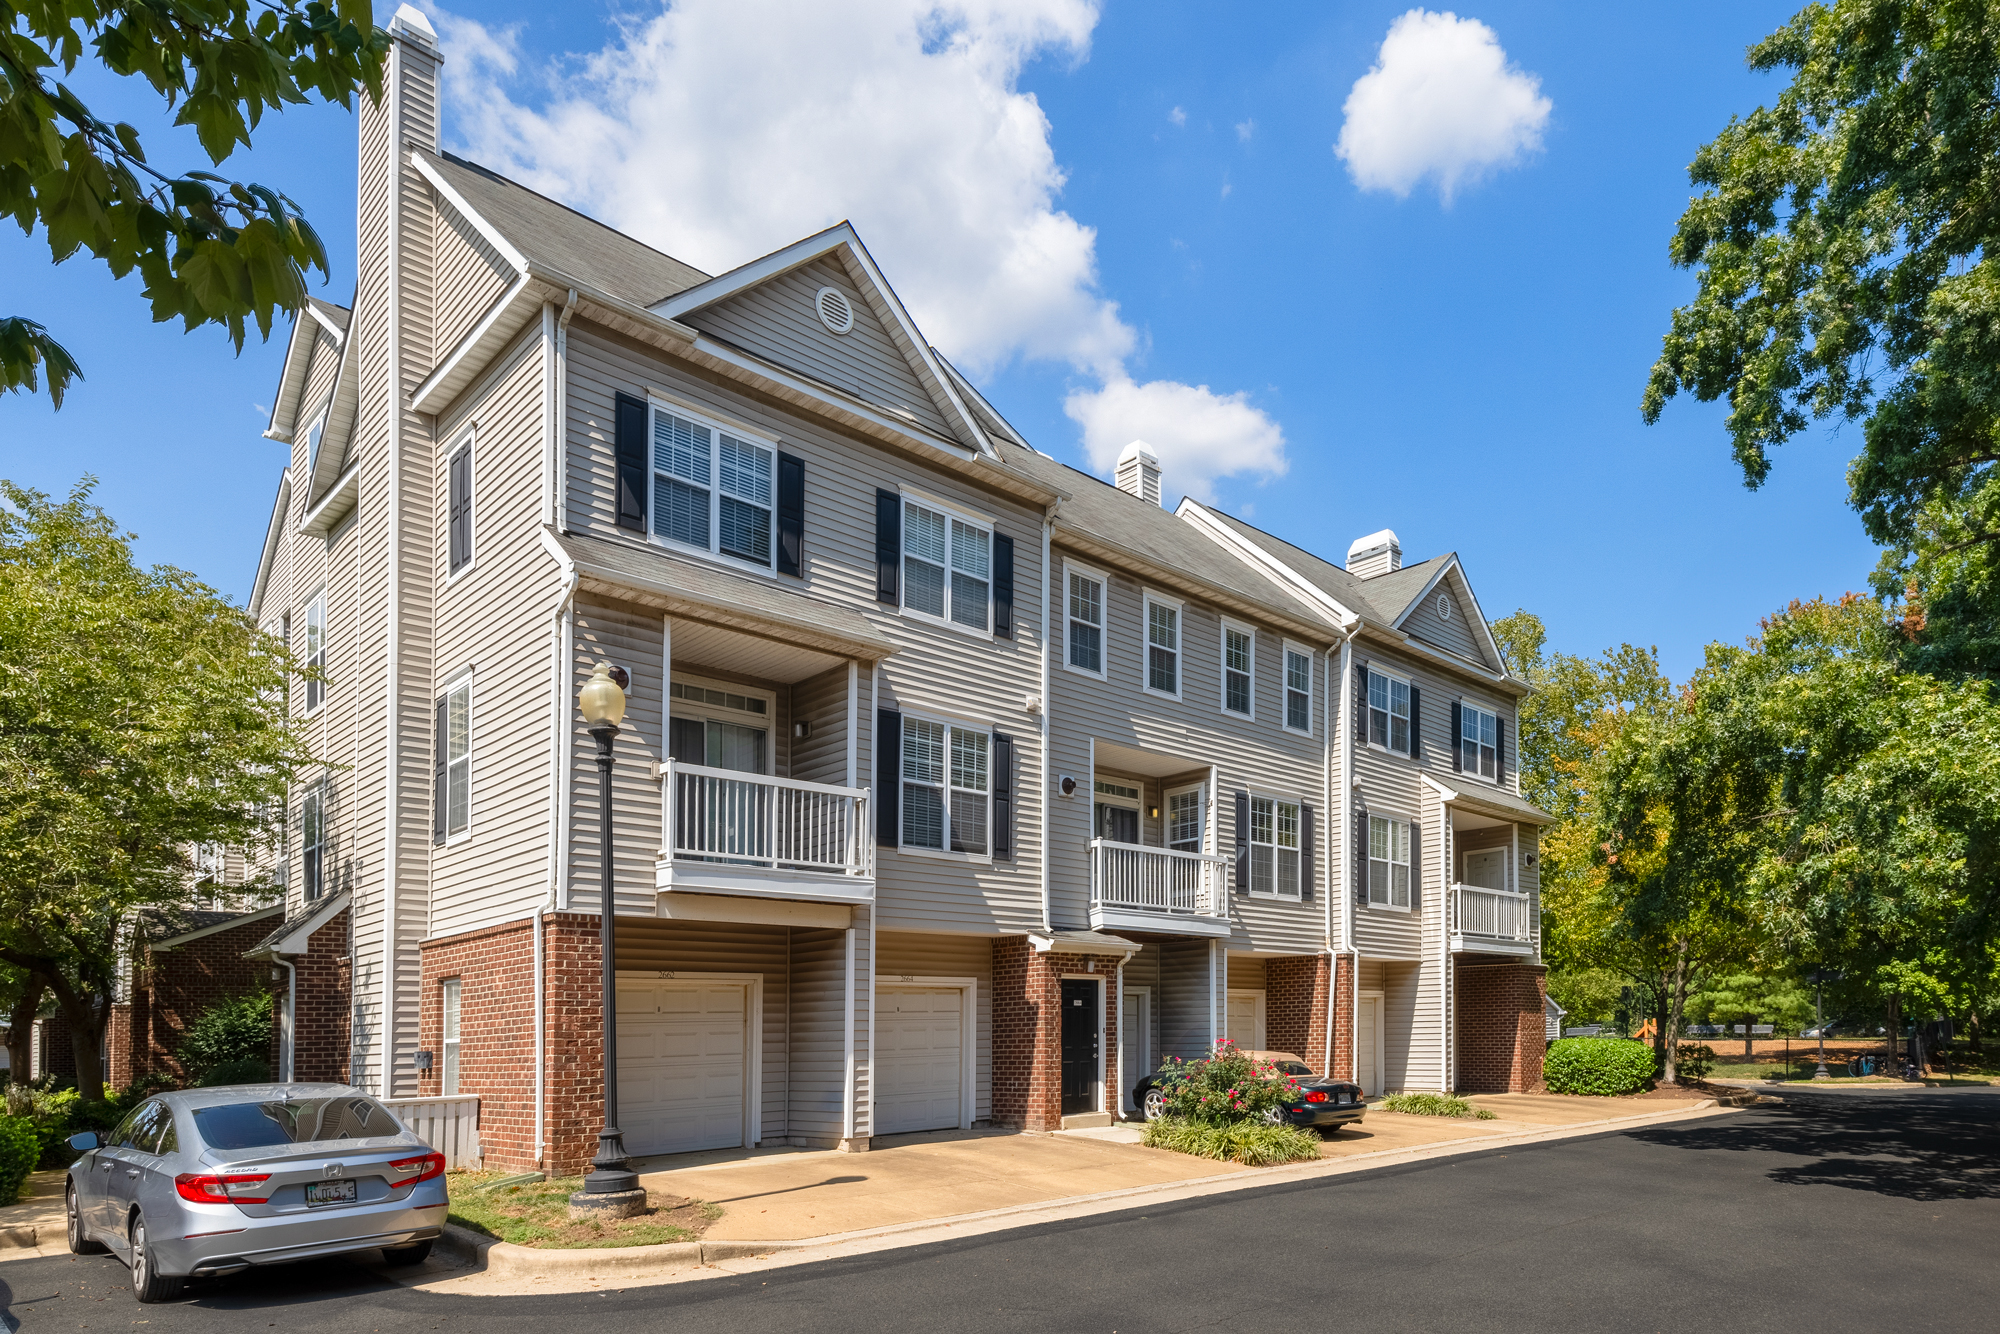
{"x":1224,"y":1088}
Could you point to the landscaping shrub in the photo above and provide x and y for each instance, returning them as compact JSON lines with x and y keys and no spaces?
{"x":234,"y":1029}
{"x":248,"y":1070}
{"x":1434,"y":1104}
{"x":1606,"y":1067}
{"x":48,"y":1111}
{"x":20,"y":1151}
{"x":1250,"y":1142}
{"x":1224,"y":1088}
{"x":1694,"y":1060}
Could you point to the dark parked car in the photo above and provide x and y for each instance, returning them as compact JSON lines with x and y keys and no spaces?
{"x":1323,"y":1103}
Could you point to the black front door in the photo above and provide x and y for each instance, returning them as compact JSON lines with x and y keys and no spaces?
{"x":1079,"y":1046}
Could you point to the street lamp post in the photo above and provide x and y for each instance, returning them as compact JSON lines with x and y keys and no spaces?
{"x":1819,"y":977}
{"x":612,"y":1187}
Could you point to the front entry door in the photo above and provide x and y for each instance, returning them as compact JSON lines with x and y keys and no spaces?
{"x":1487,"y":870}
{"x":1079,"y":1045}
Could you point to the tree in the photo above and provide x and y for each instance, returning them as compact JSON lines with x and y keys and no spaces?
{"x":209,"y":250}
{"x":1847,"y":250}
{"x":141,"y":715}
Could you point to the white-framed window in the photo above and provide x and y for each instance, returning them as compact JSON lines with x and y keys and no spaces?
{"x":458,"y":759}
{"x":1298,"y":689}
{"x":947,"y":786}
{"x":1274,"y":847}
{"x":1388,"y":862}
{"x":312,"y":842}
{"x":1239,"y":669}
{"x":1163,"y":646}
{"x":720,"y":725}
{"x":1086,"y":621}
{"x":1388,"y":712}
{"x":713,"y":488}
{"x":1478,"y":741}
{"x":448,"y":1038}
{"x":947,"y":566}
{"x":315,"y":651}
{"x":1187,"y":818}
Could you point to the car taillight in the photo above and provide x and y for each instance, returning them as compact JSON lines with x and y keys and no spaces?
{"x":424,"y":1166}
{"x":238,"y":1189}
{"x":1315,"y":1097}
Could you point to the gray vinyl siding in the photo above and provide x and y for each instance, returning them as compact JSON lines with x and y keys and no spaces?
{"x":1408,"y":1044}
{"x":322,"y":364}
{"x":821,"y":702}
{"x":818,"y":1073}
{"x":634,"y":639}
{"x":1186,"y":1001}
{"x":777,"y":321}
{"x":1246,"y":973}
{"x":1145,"y":969}
{"x":1454,"y":635}
{"x":471,"y":275}
{"x":900,"y":954}
{"x":1258,"y":757}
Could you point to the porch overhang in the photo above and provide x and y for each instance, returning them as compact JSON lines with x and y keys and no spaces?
{"x":1159,"y":923}
{"x":1512,"y":949}
{"x":1492,"y":802}
{"x":684,"y":875}
{"x":1081,"y":942}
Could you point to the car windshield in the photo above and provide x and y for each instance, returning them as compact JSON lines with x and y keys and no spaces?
{"x":258,"y":1125}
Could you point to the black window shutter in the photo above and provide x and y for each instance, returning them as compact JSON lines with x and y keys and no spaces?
{"x":1003,"y":585}
{"x":1416,"y":723}
{"x":791,"y":515}
{"x":1359,"y":858}
{"x":1416,"y":866}
{"x":1003,"y":797}
{"x":888,"y":777}
{"x":1360,"y":705}
{"x":461,"y":507}
{"x":1308,"y":852}
{"x":1242,"y":844}
{"x":437,"y":784}
{"x":1457,"y":746}
{"x":631,"y":446}
{"x":1500,"y":751}
{"x":888,"y":547}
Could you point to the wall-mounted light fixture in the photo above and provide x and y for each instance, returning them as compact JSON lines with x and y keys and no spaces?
{"x":1066,"y":786}
{"x":802,"y":729}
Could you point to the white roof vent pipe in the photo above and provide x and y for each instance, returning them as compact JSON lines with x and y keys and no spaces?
{"x":1139,"y":472}
{"x":1377,"y":553}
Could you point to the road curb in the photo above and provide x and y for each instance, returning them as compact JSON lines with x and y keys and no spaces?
{"x":23,"y":1237}
{"x":502,"y":1259}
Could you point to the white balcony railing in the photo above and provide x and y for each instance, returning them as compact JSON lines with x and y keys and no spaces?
{"x":1495,"y":914}
{"x":1127,"y":877}
{"x":725,"y":818}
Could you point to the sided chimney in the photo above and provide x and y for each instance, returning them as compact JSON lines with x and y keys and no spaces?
{"x":1377,"y":553}
{"x":1139,"y":471}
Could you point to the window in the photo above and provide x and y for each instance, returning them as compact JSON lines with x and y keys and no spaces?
{"x":458,"y":759}
{"x":1086,"y":623}
{"x":1478,"y":734}
{"x":712,"y":490}
{"x":315,"y":655}
{"x":448,"y":1043}
{"x":946,"y":787}
{"x":1298,"y":690}
{"x":1117,"y":811}
{"x":1389,"y":712}
{"x":1185,"y":818}
{"x":459,"y":515}
{"x":1388,"y":862}
{"x":1239,"y":656}
{"x":1274,"y":847}
{"x":947,"y":566}
{"x":312,"y":842}
{"x":719,"y":729}
{"x":1163,"y":647}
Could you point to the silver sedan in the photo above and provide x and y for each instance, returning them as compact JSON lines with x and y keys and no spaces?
{"x":213,"y":1181}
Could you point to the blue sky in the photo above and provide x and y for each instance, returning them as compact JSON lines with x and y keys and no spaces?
{"x":1467,"y":374}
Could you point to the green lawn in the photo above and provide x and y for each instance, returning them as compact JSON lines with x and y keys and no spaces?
{"x":537,"y":1214}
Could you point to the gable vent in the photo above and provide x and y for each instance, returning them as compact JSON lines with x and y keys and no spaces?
{"x":834,"y":311}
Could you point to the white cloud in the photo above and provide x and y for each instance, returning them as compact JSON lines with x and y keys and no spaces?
{"x":1177,"y":116}
{"x":1244,"y":129}
{"x":1200,"y":435}
{"x":720,"y":130}
{"x":1442,"y":102}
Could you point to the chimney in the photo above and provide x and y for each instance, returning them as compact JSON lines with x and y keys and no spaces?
{"x":1377,"y":553}
{"x":1139,"y":472}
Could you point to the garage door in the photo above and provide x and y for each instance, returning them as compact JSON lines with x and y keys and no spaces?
{"x":920,"y":1055}
{"x":681,"y":1065}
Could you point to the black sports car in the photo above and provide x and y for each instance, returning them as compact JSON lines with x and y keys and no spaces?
{"x":1322,"y":1102}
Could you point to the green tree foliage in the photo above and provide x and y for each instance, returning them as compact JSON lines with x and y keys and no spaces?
{"x":208,"y":250}
{"x":229,"y":1033}
{"x":1845,"y":248}
{"x":140,"y":715}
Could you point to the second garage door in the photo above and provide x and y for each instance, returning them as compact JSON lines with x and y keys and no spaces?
{"x":682,"y":1066}
{"x":920,"y":1058}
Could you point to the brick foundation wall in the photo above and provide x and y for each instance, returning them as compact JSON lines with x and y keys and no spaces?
{"x":118,"y":1046}
{"x":1501,"y":1030}
{"x":1295,"y":1003}
{"x":1343,"y":1016}
{"x":325,"y":1024}
{"x":1027,"y":1031}
{"x":179,"y":984}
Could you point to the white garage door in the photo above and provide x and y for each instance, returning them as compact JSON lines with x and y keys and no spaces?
{"x":1368,"y":1046}
{"x":681,"y":1065}
{"x":920,"y":1042}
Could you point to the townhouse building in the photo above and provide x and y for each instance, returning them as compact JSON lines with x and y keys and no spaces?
{"x":954,"y":787}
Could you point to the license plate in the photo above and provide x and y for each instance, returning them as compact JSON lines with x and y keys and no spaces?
{"x":330,"y":1192}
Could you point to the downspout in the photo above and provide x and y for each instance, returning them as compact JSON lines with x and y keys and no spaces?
{"x":1326,"y":784}
{"x":559,"y":511}
{"x":289,"y":1055}
{"x":1047,"y":728}
{"x":1346,"y":790}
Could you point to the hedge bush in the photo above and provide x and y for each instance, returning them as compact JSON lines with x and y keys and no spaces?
{"x":237,"y":1028}
{"x":1249,"y":1142}
{"x":20,"y":1151}
{"x":1605,"y":1067}
{"x":1693,"y":1060}
{"x":1434,"y":1104}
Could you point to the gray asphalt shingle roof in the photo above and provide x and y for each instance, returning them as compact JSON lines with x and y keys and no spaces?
{"x":1381,"y":599}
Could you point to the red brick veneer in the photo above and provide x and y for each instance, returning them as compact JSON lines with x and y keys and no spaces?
{"x":1027,"y":1031}
{"x":1295,"y":1003}
{"x":325,"y":1028}
{"x":1502,"y":1033}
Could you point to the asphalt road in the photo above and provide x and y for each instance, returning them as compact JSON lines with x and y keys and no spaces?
{"x":1839,"y":1211}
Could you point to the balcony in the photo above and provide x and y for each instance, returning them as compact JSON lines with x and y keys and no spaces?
{"x":1136,"y":888}
{"x":735,"y":833}
{"x":1491,"y":921}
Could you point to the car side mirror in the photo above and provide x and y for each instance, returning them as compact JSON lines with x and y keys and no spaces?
{"x":84,"y":1141}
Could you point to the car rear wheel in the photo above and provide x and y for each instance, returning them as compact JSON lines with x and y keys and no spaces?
{"x":406,"y":1255}
{"x":1274,"y":1116}
{"x":79,"y":1240}
{"x":148,"y":1284}
{"x":1154,"y":1104}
